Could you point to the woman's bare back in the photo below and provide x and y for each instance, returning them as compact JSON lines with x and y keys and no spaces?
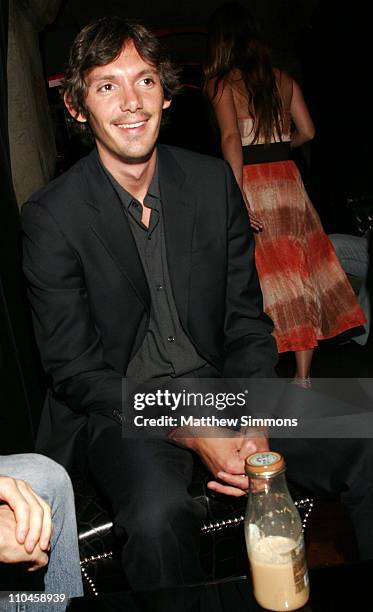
{"x":241,"y":103}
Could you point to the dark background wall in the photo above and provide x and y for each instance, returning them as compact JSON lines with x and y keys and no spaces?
{"x":283,"y":21}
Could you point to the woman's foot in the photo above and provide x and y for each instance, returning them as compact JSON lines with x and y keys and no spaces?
{"x":304,"y":383}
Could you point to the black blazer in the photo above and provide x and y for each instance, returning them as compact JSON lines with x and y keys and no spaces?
{"x":90,"y":299}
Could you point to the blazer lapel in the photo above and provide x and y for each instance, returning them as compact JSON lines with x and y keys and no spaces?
{"x":178,"y":207}
{"x":110,"y":224}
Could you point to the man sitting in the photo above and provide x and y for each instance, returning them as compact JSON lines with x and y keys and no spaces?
{"x":140,"y":263}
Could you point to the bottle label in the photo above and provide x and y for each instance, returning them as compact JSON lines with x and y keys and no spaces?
{"x":298,"y":558}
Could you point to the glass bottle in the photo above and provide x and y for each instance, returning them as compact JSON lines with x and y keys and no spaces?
{"x":274,"y":537}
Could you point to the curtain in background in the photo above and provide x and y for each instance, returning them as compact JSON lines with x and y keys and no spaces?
{"x":20,"y":381}
{"x":31,"y":138}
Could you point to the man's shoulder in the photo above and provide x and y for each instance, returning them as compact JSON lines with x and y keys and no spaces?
{"x":63,"y":188}
{"x":192,"y":160}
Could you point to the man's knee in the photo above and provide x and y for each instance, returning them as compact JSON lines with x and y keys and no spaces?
{"x":157,"y":518}
{"x":361,"y":473}
{"x":50,"y":479}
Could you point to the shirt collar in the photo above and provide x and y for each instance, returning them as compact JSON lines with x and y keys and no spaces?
{"x":154,"y":184}
{"x":125,"y":197}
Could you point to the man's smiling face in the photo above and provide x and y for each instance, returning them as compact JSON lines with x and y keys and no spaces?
{"x":125,"y":102}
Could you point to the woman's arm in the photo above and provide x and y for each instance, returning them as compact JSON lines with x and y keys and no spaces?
{"x":304,"y":127}
{"x":230,"y":138}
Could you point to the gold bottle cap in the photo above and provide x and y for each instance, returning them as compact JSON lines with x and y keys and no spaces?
{"x":264,"y":465}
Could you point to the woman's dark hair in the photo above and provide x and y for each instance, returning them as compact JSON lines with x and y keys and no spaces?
{"x":101,"y":42}
{"x":234,"y":42}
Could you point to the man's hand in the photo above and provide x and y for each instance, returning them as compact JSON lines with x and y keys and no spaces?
{"x":225,"y":458}
{"x":31,"y":515}
{"x":11,"y":551}
{"x":251,"y":443}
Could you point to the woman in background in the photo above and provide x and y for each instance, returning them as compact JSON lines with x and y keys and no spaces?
{"x":261,"y":114}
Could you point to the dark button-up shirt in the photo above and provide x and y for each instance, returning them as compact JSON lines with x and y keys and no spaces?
{"x":166,"y":349}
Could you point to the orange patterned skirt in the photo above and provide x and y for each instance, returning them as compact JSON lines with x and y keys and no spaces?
{"x":305,"y":291}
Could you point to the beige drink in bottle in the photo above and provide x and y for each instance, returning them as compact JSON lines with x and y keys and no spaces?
{"x":274,"y":537}
{"x":279,"y":573}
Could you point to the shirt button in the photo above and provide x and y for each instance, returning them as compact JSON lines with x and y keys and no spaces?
{"x":171,"y":338}
{"x":159,"y":287}
{"x":135,"y":204}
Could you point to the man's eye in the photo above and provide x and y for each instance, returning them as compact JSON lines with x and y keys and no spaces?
{"x":106,"y":87}
{"x":148,"y":81}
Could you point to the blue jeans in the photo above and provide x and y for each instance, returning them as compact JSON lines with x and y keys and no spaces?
{"x":52,"y":483}
{"x":352,"y":252}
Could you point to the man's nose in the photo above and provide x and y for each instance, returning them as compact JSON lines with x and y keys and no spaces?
{"x":130,"y":100}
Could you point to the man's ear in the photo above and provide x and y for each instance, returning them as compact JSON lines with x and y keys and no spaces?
{"x":77,"y":116}
{"x":166,"y":104}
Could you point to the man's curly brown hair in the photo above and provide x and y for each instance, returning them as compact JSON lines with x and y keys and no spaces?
{"x":100,"y":43}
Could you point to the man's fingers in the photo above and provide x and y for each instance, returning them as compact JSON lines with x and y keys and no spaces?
{"x":240,"y":481}
{"x":47,"y":525}
{"x":248,"y":448}
{"x":36,"y":565}
{"x":11,"y":494}
{"x":252,"y":445}
{"x":233,"y":465}
{"x":225,"y":489}
{"x":47,"y":528}
{"x":36,"y":516}
{"x":32,"y":514}
{"x":39,"y":559}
